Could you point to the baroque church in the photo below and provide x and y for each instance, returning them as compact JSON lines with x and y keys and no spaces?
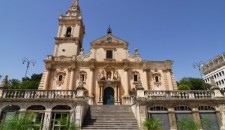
{"x":107,"y":88}
{"x":108,"y":71}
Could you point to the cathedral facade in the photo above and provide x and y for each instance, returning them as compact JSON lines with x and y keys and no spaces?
{"x":108,"y":72}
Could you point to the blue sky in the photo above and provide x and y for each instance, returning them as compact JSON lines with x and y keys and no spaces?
{"x":185,"y":31}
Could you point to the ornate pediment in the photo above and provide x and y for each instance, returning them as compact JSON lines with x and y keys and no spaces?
{"x":109,"y":41}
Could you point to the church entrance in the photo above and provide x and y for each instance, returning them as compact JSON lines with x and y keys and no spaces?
{"x":108,"y":98}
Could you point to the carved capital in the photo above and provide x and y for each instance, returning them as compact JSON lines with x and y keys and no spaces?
{"x":72,"y":67}
{"x":48,"y":66}
{"x":92,"y":64}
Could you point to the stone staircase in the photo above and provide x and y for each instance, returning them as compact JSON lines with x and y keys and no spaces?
{"x":110,"y":117}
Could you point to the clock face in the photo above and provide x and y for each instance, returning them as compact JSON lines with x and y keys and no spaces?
{"x":109,"y":39}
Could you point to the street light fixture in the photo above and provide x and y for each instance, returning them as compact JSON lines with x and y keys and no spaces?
{"x":28,"y":63}
{"x":198,"y":65}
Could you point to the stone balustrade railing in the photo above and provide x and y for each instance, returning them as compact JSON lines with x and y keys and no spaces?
{"x":60,"y":58}
{"x":37,"y":94}
{"x":180,"y":94}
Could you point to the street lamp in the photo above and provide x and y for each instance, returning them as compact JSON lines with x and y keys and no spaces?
{"x":28,"y":63}
{"x":198,"y":66}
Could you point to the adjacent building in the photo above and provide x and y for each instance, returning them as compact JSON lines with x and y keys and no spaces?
{"x":215,"y":69}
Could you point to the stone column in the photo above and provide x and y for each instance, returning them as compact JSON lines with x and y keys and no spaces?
{"x":22,"y":112}
{"x":172,"y":119}
{"x":72,"y":79}
{"x":91,"y":85}
{"x":78,"y":115}
{"x":222,"y":117}
{"x":102,"y":94}
{"x":47,"y":119}
{"x":126,"y":85}
{"x":145,"y":83}
{"x":141,"y":115}
{"x":116,"y":95}
{"x":196,"y":117}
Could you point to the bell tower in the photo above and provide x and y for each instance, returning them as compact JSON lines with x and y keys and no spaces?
{"x":70,"y":32}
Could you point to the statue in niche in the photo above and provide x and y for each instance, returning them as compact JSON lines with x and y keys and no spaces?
{"x":116,"y":76}
{"x":109,"y":75}
{"x":101,"y":75}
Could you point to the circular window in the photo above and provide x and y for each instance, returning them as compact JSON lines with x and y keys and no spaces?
{"x":109,"y":39}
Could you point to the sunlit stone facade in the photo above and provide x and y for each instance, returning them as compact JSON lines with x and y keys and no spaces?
{"x":107,"y":65}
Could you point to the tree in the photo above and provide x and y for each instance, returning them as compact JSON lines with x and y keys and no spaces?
{"x":68,"y":125}
{"x":14,"y":83}
{"x":152,"y":124}
{"x":26,"y":83}
{"x":184,"y":87}
{"x":189,"y":124}
{"x":193,"y":84}
{"x":23,"y":122}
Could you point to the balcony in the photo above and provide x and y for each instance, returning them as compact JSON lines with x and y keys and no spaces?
{"x":37,"y":94}
{"x":192,"y":94}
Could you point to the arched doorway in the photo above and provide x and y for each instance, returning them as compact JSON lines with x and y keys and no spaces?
{"x":108,"y":98}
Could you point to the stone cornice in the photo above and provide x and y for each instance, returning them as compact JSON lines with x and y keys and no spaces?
{"x":59,"y":40}
{"x":146,"y":65}
{"x":176,"y":102}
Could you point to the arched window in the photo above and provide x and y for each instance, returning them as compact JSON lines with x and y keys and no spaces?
{"x":136,"y":76}
{"x":160,"y":113}
{"x":183,"y":113}
{"x":60,"y":78}
{"x":208,"y":117}
{"x":83,"y":76}
{"x":60,"y":113}
{"x":68,"y":32}
{"x":38,"y":114}
{"x":156,"y":79}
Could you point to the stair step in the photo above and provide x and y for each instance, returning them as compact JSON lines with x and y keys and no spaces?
{"x":109,"y":117}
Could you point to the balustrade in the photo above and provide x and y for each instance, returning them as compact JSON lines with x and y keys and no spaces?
{"x":38,"y":94}
{"x":198,"y":94}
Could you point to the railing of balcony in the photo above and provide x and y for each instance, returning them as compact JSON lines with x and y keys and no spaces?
{"x":180,"y":94}
{"x":37,"y":94}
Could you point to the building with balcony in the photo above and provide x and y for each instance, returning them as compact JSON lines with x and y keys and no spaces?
{"x":215,"y":69}
{"x":107,"y":87}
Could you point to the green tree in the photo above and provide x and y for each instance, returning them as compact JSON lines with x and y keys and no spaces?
{"x":68,"y":125}
{"x":194,"y":83}
{"x":189,"y":124}
{"x":14,"y":83}
{"x":184,"y":87}
{"x":26,"y":83}
{"x":17,"y":123}
{"x":152,"y":124}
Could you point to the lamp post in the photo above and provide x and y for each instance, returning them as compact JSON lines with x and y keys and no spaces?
{"x":28,"y":63}
{"x":198,"y":65}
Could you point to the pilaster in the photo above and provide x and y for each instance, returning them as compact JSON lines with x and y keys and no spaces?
{"x":72,"y":71}
{"x":196,"y":117}
{"x":22,"y":112}
{"x":172,"y":119}
{"x":47,"y":119}
{"x":141,"y":115}
{"x":145,"y":83}
{"x":222,"y":115}
{"x":91,"y":85}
